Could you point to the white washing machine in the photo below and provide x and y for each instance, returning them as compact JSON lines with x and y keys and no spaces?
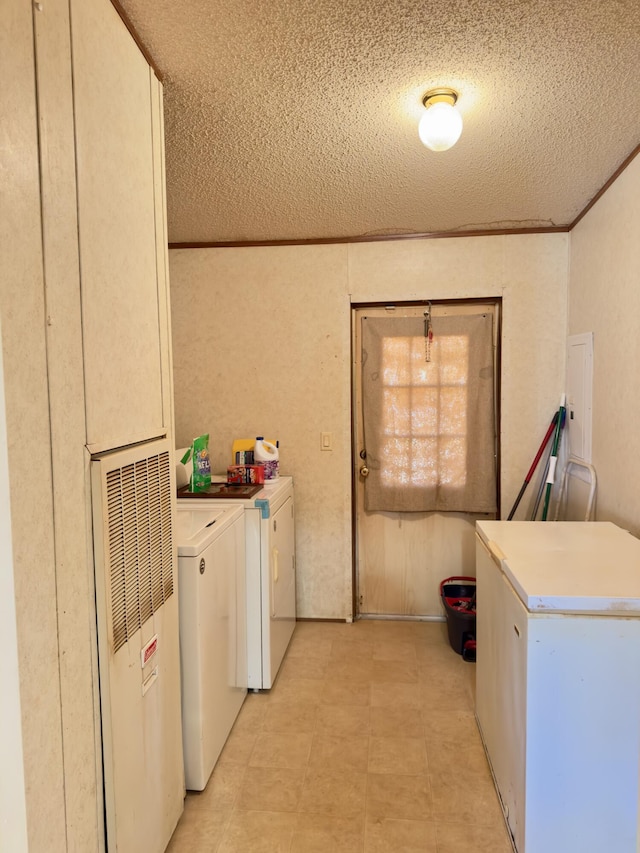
{"x":213,"y":631}
{"x":271,"y":574}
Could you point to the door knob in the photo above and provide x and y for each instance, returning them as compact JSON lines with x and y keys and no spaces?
{"x":364,"y":471}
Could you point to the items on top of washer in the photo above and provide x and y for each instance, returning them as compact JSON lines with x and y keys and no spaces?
{"x":268,"y":453}
{"x":200,"y":473}
{"x":223,"y":490}
{"x":253,"y":473}
{"x":249,"y":451}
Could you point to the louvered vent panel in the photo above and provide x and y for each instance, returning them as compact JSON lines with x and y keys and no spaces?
{"x":144,"y":552}
{"x":140,"y":543}
{"x":165,"y":516}
{"x":155,"y":534}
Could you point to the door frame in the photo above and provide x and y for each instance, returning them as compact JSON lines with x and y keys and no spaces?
{"x":497,"y":302}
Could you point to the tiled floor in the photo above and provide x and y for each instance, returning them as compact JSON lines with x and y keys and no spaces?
{"x":367,"y":743}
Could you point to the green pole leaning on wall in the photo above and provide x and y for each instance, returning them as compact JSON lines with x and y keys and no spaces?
{"x":554,"y":458}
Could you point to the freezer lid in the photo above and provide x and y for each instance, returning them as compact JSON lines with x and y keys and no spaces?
{"x":568,"y":567}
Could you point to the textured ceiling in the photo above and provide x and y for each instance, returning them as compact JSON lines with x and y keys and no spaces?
{"x":298,"y":120}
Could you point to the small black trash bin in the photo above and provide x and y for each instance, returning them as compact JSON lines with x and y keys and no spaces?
{"x":458,"y":598}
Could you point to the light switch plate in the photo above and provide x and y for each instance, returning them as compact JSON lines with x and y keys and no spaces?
{"x":326,"y":441}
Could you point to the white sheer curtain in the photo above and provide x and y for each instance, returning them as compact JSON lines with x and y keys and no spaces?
{"x":429,"y":424}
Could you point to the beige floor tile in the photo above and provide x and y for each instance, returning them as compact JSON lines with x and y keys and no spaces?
{"x":453,"y":727}
{"x":251,"y":714}
{"x":309,"y":646}
{"x":354,"y":649}
{"x":238,"y":747}
{"x":222,"y":788}
{"x":398,"y":796}
{"x":429,"y":634}
{"x":270,"y":789}
{"x":325,"y":834}
{"x":302,"y":667}
{"x":374,"y":718}
{"x":469,"y":755}
{"x":441,"y":660}
{"x":345,"y":720}
{"x":454,"y":837}
{"x":363,"y":628}
{"x":334,"y":792}
{"x":290,"y":717}
{"x":298,"y":690}
{"x":438,"y":652}
{"x":397,"y":650}
{"x":468,"y":794}
{"x":199,"y":831}
{"x":387,"y":835}
{"x":336,"y":752}
{"x":258,"y":832}
{"x":400,"y":755}
{"x":393,"y":671}
{"x":394,"y":695}
{"x":389,"y":630}
{"x":324,"y":630}
{"x":469,"y":682}
{"x":446,"y":695}
{"x":344,"y":692}
{"x":351,"y":671}
{"x":281,"y":749}
{"x":396,"y":721}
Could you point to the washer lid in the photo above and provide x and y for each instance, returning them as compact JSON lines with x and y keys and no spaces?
{"x":197,"y":528}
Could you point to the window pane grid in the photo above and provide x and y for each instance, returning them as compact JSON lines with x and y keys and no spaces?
{"x":424,"y":424}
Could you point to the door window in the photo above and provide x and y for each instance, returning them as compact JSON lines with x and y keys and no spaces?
{"x":428,"y":406}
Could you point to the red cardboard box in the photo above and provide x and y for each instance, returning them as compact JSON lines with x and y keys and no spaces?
{"x":253,"y":474}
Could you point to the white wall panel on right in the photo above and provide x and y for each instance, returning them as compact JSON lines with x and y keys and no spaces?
{"x":580,"y":394}
{"x":604,"y":296}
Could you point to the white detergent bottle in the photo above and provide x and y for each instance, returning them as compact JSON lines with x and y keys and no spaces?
{"x":266,"y":452}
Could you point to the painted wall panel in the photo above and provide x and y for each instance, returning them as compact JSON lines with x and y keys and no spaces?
{"x":604,"y":297}
{"x":116,"y":205}
{"x":22,"y":307}
{"x":74,"y":575}
{"x":261,"y":343}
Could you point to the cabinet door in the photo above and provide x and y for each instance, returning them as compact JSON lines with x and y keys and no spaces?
{"x":488,"y":635}
{"x":113,"y":103}
{"x":282,"y":590}
{"x":512,"y":708}
{"x":501,"y":673}
{"x":283,"y":577}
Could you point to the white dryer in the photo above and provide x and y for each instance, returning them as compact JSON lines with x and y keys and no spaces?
{"x":271,"y":574}
{"x":213,"y":631}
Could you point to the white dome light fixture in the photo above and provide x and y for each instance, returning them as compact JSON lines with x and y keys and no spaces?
{"x":441,"y":125}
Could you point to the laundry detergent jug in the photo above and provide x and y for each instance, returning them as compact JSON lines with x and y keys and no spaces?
{"x":266,"y":452}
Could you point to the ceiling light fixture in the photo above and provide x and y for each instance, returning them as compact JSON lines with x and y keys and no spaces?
{"x":441,"y":125}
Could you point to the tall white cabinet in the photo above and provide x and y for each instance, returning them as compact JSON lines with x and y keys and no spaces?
{"x":87,"y":361}
{"x":558,"y":682}
{"x":122,"y":231}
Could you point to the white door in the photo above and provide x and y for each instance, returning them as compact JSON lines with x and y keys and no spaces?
{"x":401,"y":557}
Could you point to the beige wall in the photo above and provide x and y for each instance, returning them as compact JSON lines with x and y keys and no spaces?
{"x":604,"y":298}
{"x":261,"y":343}
{"x":22,"y":303}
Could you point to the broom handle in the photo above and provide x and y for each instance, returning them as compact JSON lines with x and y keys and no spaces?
{"x":534,"y":465}
{"x":553,"y":459}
